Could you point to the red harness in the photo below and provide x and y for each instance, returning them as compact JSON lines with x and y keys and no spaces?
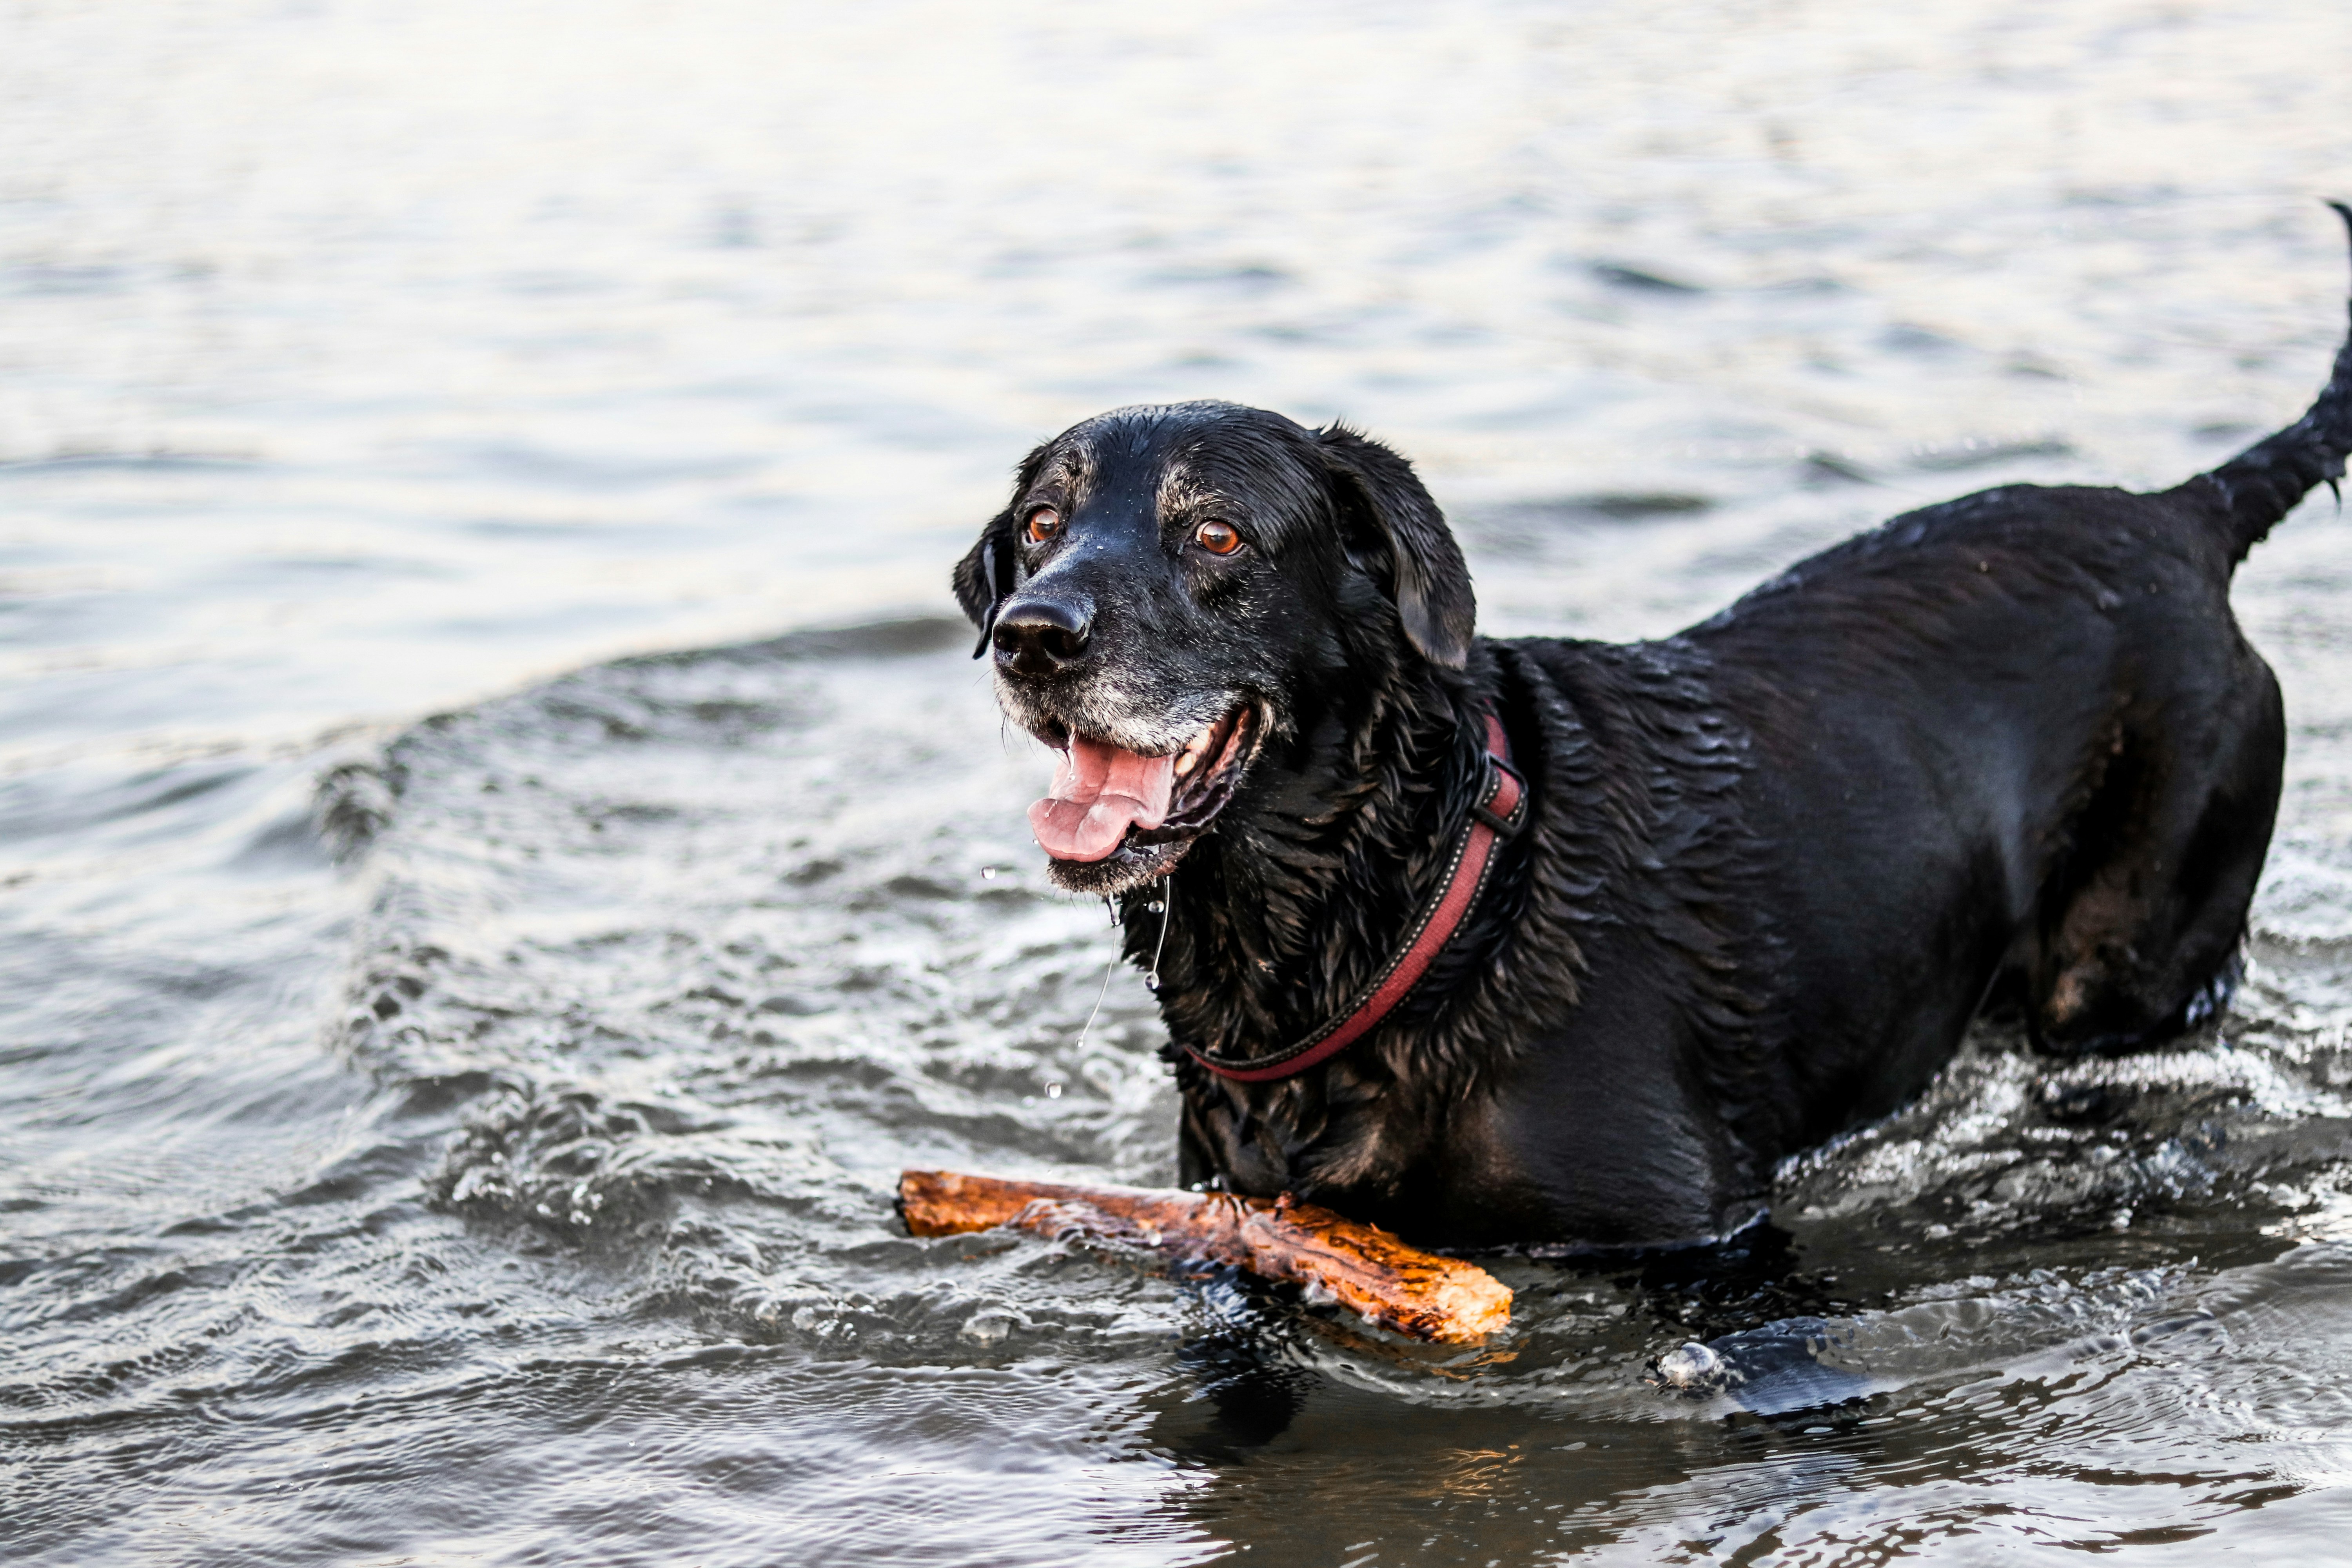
{"x":1500,"y":814}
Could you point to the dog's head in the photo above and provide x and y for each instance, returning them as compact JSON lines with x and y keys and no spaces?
{"x":1172,"y":586}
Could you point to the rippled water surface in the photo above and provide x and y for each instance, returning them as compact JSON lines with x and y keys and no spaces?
{"x":470,"y":1138}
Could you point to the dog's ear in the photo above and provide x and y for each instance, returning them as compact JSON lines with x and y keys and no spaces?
{"x":983,"y":578}
{"x":1431,"y":584}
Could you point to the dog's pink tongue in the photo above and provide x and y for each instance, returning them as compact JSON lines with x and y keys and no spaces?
{"x":1099,"y":790}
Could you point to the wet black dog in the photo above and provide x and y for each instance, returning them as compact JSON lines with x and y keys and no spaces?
{"x":2010,"y":749}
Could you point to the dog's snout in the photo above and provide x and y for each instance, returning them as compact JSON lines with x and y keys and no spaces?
{"x":1041,"y":636}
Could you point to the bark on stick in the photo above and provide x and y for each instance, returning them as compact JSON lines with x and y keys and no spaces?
{"x":1362,"y":1266}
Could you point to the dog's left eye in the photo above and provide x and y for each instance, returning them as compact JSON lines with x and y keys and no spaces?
{"x":1217,"y":538}
{"x":1043,"y":524}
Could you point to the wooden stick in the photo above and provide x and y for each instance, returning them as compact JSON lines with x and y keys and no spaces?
{"x":1361,"y":1266}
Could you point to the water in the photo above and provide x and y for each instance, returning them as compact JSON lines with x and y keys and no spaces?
{"x":471,"y":1139}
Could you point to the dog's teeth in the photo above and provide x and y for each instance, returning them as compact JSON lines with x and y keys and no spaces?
{"x":1194,"y":750}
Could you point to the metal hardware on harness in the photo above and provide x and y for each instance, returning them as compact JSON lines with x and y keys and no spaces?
{"x":1506,"y":826}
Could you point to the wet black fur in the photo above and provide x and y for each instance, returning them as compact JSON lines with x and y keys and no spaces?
{"x":2009,"y":750}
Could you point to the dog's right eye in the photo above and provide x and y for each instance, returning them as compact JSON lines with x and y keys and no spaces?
{"x":1217,"y":537}
{"x":1043,"y":524}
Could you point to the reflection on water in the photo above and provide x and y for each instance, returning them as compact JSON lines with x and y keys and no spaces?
{"x":475,"y":1142}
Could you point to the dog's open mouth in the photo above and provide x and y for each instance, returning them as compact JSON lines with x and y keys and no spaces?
{"x":1105,"y":795}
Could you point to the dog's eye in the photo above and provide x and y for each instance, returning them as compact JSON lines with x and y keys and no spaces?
{"x":1043,"y":524}
{"x":1217,"y":538}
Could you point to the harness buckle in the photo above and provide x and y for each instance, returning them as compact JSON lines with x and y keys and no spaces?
{"x":1504,"y":826}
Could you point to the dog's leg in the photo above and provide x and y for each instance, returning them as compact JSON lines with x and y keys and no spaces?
{"x":2144,"y":921}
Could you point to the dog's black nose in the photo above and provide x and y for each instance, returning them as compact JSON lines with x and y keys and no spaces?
{"x":1041,"y":636}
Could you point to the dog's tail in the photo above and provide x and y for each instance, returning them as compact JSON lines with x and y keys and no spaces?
{"x":2262,"y":484}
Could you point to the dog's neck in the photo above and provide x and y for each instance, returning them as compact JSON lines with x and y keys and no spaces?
{"x":1312,"y":880}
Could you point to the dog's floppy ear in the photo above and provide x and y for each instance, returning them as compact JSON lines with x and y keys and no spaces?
{"x":983,"y":577}
{"x":1431,"y":584}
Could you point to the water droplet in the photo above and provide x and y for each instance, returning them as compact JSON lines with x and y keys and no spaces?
{"x":990,"y":1325}
{"x":1151,"y":982}
{"x":988,"y":873}
{"x":1690,"y":1366}
{"x":1053,"y":1092}
{"x":1154,"y":906}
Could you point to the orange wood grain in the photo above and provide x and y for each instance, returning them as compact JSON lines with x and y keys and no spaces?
{"x":1362,"y":1266}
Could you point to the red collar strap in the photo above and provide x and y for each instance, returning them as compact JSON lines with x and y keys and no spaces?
{"x":1499,"y":816}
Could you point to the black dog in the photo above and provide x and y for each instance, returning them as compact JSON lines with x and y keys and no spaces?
{"x":2010,"y":749}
